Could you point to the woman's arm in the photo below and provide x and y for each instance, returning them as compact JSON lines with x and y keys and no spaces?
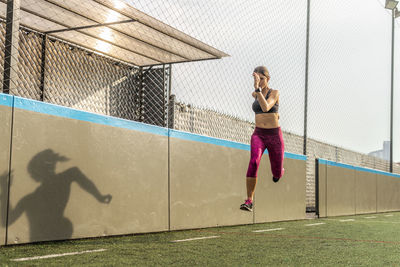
{"x":267,"y":104}
{"x":13,"y":213}
{"x":76,"y":175}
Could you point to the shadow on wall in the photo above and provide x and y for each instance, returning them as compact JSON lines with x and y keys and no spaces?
{"x":45,"y":206}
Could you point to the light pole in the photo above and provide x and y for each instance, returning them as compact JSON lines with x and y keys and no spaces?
{"x":306,"y":81}
{"x":391,"y":4}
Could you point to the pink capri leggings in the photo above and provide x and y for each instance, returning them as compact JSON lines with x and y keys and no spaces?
{"x":272,"y":140}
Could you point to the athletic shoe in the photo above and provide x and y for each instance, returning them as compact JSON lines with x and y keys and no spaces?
{"x":277,"y":179}
{"x":247,"y":205}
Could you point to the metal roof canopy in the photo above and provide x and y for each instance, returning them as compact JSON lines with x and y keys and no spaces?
{"x":113,"y":28}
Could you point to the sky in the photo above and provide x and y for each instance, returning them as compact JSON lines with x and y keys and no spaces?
{"x":349,"y":63}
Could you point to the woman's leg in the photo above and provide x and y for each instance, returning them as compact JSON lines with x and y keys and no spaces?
{"x":276,"y":151}
{"x":257,"y":150}
{"x":251,"y":187}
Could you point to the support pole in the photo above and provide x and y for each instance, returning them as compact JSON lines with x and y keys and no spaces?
{"x":11,"y":46}
{"x":141,"y":95}
{"x":43,"y":66}
{"x":306,"y":80}
{"x":171,"y":101}
{"x":391,"y":94}
{"x":165,"y":100}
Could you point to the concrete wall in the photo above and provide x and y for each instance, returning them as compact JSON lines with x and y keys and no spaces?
{"x":83,"y":175}
{"x":6,"y":103}
{"x":388,"y":193}
{"x":285,"y":200}
{"x":207,"y":182}
{"x":321,"y":189}
{"x":349,"y":190}
{"x":77,"y":174}
{"x":366,"y":192}
{"x":341,"y":198}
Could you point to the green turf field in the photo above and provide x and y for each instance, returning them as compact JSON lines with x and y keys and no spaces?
{"x":372,"y":240}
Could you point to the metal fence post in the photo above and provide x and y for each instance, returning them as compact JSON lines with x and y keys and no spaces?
{"x":43,"y":66}
{"x":171,"y":112}
{"x":11,"y":46}
{"x":165,"y":98}
{"x":306,"y":79}
{"x":317,"y":187}
{"x":141,"y":95}
{"x":391,"y":93}
{"x":171,"y":101}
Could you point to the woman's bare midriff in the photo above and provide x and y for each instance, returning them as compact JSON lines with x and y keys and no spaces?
{"x":267,"y":120}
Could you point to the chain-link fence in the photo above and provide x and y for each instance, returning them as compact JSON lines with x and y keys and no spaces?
{"x":102,"y":56}
{"x":55,"y":71}
{"x":119,"y":58}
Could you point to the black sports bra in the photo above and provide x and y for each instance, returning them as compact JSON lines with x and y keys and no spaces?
{"x":258,"y":110}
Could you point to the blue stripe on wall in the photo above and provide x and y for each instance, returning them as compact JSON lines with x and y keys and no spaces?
{"x":295,"y":156}
{"x":222,"y":142}
{"x":208,"y":140}
{"x":70,"y":113}
{"x":6,"y":100}
{"x":357,"y":168}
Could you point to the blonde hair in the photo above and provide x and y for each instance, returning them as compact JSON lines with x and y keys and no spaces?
{"x":262,"y":70}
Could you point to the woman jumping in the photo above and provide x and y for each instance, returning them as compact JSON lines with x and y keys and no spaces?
{"x":267,"y":134}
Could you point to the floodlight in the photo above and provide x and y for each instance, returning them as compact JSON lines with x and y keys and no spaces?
{"x":396,"y":13}
{"x":391,"y":4}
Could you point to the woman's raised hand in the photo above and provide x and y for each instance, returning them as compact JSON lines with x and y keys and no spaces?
{"x":256,"y":80}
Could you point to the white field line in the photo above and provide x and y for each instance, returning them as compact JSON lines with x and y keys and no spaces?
{"x":364,"y":221}
{"x":196,"y":238}
{"x":58,"y":255}
{"x":389,"y":215}
{"x":268,"y":230}
{"x":312,"y":224}
{"x":370,"y":217}
{"x":348,"y":220}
